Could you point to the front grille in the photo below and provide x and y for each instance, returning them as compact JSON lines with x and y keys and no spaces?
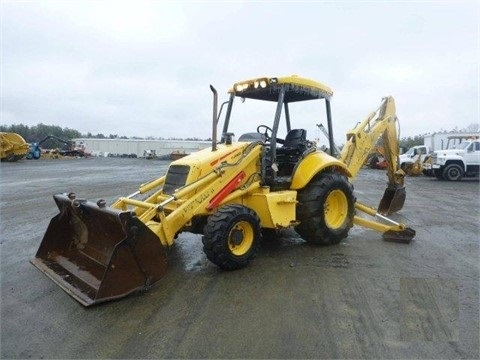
{"x":176,"y":178}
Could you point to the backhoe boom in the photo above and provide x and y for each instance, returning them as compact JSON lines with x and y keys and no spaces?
{"x":362,"y":139}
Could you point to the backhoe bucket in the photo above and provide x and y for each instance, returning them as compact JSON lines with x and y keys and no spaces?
{"x":96,"y":253}
{"x":392,"y":200}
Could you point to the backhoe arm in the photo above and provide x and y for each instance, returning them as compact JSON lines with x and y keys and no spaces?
{"x":363,"y":138}
{"x":394,"y":231}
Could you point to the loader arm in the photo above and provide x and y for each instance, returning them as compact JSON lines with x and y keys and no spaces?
{"x":362,"y":139}
{"x":166,"y":214}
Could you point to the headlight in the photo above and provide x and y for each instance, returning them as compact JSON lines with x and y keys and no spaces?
{"x":256,"y":84}
{"x":241,"y":87}
{"x":440,"y":160}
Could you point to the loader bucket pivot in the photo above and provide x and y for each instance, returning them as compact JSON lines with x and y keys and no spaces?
{"x":392,"y":200}
{"x":96,"y":253}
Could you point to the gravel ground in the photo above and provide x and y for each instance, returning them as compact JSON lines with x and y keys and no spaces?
{"x":364,"y":298}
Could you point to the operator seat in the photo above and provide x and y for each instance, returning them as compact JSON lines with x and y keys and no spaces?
{"x":293,"y":142}
{"x":289,"y":154}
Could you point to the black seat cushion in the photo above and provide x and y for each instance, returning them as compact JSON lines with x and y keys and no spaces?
{"x":292,"y":141}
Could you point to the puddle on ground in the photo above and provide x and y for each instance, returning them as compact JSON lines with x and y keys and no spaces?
{"x":190,"y":249}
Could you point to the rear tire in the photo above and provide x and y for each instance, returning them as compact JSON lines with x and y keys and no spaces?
{"x":325,"y":209}
{"x":232,"y":237}
{"x":453,"y":172}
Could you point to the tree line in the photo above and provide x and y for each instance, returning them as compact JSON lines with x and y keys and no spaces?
{"x":39,"y":132}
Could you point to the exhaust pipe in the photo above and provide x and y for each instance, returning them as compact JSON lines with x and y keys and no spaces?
{"x":215,"y":120}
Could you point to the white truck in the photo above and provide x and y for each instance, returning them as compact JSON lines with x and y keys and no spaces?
{"x":418,"y":158}
{"x":455,"y":164}
{"x":411,"y":156}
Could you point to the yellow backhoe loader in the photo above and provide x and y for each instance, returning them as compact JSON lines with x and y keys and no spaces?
{"x":230,"y":193}
{"x":13,"y":147}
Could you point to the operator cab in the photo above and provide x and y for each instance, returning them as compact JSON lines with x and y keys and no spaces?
{"x":282,"y":154}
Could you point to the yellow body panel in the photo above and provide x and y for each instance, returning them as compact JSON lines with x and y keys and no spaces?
{"x":206,"y":160}
{"x":275,"y":209}
{"x":312,"y":164}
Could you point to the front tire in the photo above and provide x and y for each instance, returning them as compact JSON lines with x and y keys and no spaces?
{"x":232,"y":237}
{"x":453,"y":172}
{"x":325,"y":209}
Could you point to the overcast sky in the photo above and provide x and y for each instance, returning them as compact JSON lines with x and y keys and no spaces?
{"x":144,"y":68}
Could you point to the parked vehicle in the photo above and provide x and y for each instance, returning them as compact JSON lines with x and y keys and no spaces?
{"x":455,"y":164}
{"x":35,"y":151}
{"x":13,"y":147}
{"x":454,"y":141}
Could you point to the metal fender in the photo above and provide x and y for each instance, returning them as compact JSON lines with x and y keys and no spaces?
{"x":311,"y":165}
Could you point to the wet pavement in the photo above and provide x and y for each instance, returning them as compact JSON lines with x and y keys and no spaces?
{"x":364,"y":298}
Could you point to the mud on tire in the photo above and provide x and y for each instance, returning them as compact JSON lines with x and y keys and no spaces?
{"x":325,"y":209}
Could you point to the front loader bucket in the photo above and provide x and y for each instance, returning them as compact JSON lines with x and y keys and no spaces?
{"x":392,"y":200}
{"x":96,"y":253}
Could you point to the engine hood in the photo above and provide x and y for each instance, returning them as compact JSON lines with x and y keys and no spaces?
{"x":197,"y":165}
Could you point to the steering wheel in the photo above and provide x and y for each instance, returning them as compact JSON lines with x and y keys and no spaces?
{"x":265,"y":133}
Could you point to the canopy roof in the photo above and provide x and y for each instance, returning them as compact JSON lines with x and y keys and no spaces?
{"x":268,"y":88}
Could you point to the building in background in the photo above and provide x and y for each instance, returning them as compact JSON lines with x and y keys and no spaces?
{"x":138,"y":148}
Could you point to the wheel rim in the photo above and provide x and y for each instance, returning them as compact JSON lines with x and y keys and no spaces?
{"x":240,"y":238}
{"x":336,"y":209}
{"x":453,"y":173}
